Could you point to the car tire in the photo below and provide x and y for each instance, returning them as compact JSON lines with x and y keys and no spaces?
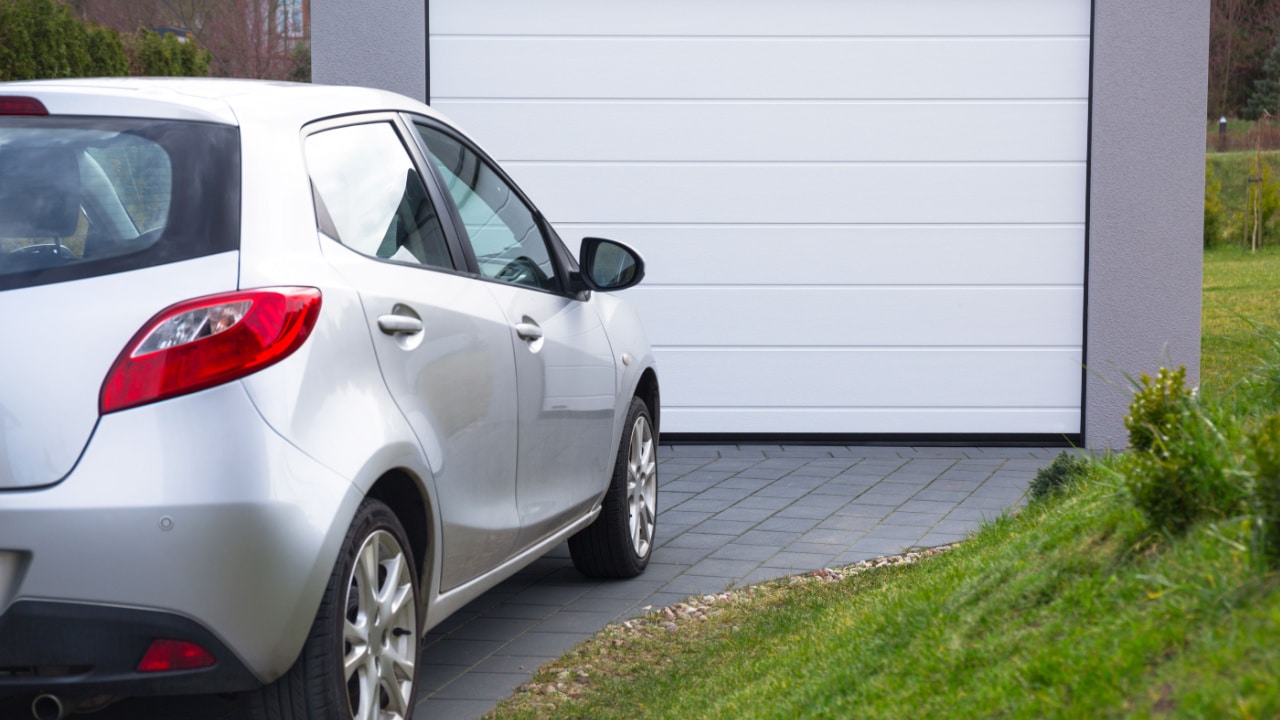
{"x":618,"y":544}
{"x":369,"y":614}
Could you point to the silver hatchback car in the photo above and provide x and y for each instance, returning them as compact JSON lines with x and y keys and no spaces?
{"x":289,"y":374}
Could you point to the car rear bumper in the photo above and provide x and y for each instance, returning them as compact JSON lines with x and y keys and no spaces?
{"x":86,"y":650}
{"x":219,"y":529}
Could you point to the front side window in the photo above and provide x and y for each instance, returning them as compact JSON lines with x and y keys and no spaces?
{"x":501,"y":229}
{"x":374,"y":196}
{"x":91,"y":196}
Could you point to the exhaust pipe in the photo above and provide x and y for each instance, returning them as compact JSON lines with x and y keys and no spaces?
{"x":48,"y":707}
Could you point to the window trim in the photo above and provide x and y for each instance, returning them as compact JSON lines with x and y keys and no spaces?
{"x":555,"y":249}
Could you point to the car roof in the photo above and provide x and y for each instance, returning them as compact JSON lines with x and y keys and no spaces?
{"x":220,"y":100}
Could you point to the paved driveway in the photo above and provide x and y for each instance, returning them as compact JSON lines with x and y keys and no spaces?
{"x":728,"y":515}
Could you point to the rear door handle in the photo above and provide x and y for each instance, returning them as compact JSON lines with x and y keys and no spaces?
{"x":528,"y":330}
{"x":399,"y":324}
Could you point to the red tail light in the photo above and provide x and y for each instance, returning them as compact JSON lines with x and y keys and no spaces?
{"x":208,"y":341}
{"x":165,"y":655}
{"x":15,"y":105}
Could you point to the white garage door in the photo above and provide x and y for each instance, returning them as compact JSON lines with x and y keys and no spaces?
{"x":859,"y":216}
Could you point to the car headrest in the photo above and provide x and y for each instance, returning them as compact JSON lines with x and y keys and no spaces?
{"x":39,"y":191}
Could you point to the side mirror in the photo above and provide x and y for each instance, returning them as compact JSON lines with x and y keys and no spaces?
{"x":609,"y":265}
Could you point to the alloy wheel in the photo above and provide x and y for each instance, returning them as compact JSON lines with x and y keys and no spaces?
{"x":380,"y":633}
{"x":642,"y":486}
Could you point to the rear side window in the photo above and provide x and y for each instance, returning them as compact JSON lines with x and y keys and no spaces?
{"x":91,"y":196}
{"x":374,"y":196}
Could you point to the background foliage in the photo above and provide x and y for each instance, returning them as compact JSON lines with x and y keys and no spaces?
{"x":44,"y":39}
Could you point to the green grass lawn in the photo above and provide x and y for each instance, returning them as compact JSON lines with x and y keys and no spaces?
{"x":1238,"y":288}
{"x":1073,"y":608}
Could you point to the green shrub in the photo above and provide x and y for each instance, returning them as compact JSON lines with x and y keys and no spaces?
{"x":106,"y":53}
{"x":1063,"y":472}
{"x":1183,"y":463}
{"x":154,"y":55}
{"x":41,"y":39}
{"x":1215,"y":211}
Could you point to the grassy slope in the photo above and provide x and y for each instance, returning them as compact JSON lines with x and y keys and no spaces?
{"x":1070,"y":609}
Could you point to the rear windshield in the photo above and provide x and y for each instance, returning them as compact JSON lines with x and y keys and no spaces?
{"x":81,"y":197}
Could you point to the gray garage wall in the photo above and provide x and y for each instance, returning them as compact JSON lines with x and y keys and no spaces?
{"x":374,"y":43}
{"x":1146,"y":172}
{"x":1146,"y":199}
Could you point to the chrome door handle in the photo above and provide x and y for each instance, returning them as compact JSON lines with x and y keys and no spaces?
{"x":528,"y":330}
{"x":399,"y":325}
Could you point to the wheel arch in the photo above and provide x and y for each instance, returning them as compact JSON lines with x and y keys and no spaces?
{"x":406,"y":497}
{"x":647,"y":391}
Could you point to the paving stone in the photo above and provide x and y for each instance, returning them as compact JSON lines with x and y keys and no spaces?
{"x":951,"y":497}
{"x":917,"y":505}
{"x":766,"y":503}
{"x":492,"y":628}
{"x":510,"y":609}
{"x":698,"y":584}
{"x":976,"y":502}
{"x":733,"y":465}
{"x":433,"y":676}
{"x":763,"y":473}
{"x":788,"y":524}
{"x":858,"y":508}
{"x":460,"y":652}
{"x":819,"y":471}
{"x":789,"y":462}
{"x":511,"y":663}
{"x":550,"y":644}
{"x":683,"y":515}
{"x":846,"y":523}
{"x":776,"y":490}
{"x":893,"y":532}
{"x":916,"y":520}
{"x":742,"y":485}
{"x":668,"y":500}
{"x":799,"y":562}
{"x":608,"y":606}
{"x":701,"y":504}
{"x":880,"y":546}
{"x":699,"y":539}
{"x":768,"y":537}
{"x":765,"y":574}
{"x":566,"y":621}
{"x":682,"y":556}
{"x":481,"y":686}
{"x":739,"y":512}
{"x":757,"y":553}
{"x":722,"y":493}
{"x":812,"y":512}
{"x":829,"y":537}
{"x":935,"y":539}
{"x":721,"y":567}
{"x":826,"y":550}
{"x":718,"y":526}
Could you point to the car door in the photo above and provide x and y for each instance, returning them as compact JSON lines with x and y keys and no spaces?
{"x":443,"y":344}
{"x":564,"y":364}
